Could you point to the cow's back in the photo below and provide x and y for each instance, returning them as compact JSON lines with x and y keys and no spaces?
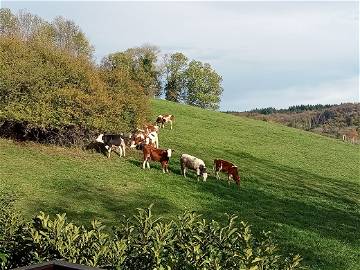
{"x":191,"y":161}
{"x":223,"y":164}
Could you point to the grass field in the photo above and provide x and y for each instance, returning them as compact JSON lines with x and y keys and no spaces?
{"x":303,"y":187}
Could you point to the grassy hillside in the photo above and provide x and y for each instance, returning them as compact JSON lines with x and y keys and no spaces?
{"x":302,"y":186}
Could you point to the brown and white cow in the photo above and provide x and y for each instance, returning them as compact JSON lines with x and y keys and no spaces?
{"x":140,"y":137}
{"x":160,"y":155}
{"x":221,"y":165}
{"x":166,"y":118}
{"x":150,"y":128}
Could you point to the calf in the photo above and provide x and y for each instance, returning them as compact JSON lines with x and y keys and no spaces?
{"x":193,"y":163}
{"x":140,"y":137}
{"x":166,"y":118}
{"x":150,"y":128}
{"x":111,"y":141}
{"x":227,"y":167}
{"x":160,"y":155}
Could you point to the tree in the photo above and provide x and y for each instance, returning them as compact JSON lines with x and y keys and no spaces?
{"x":203,"y":86}
{"x":140,"y":65}
{"x":175,"y":67}
{"x":68,"y":36}
{"x":8,"y":22}
{"x":62,"y":33}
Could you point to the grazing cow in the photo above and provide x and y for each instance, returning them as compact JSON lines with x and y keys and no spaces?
{"x":351,"y":136}
{"x":150,"y":128}
{"x":193,"y":163}
{"x":160,"y":155}
{"x":139,"y":138}
{"x":111,"y":141}
{"x":166,"y":118}
{"x":227,"y":167}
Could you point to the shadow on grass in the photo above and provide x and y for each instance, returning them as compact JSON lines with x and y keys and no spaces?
{"x":275,"y":197}
{"x":156,"y":166}
{"x":110,"y":207}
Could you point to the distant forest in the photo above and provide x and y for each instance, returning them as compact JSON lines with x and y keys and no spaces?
{"x":330,"y":120}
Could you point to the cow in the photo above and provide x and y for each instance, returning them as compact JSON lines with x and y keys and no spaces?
{"x":351,"y":136}
{"x":193,"y":163}
{"x":150,"y":128}
{"x":166,"y":118}
{"x":221,"y":165}
{"x":111,"y":141}
{"x":155,"y":154}
{"x":140,"y":137}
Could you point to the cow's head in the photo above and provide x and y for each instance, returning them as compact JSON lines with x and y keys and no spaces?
{"x":235,"y":174}
{"x":169,"y":152}
{"x":136,"y":139}
{"x":159,"y":120}
{"x":203,"y":172}
{"x":100,"y":138}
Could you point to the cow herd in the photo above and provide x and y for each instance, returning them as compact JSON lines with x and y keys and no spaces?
{"x":147,"y":140}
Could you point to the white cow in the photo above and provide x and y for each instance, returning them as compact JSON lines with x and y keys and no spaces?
{"x":193,"y":163}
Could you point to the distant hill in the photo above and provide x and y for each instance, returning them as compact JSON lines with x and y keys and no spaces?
{"x":329,"y":120}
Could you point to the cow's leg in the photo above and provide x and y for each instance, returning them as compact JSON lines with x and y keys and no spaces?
{"x":144,"y":163}
{"x":229,"y":179}
{"x":198,"y":173}
{"x":148,"y":164}
{"x":123,"y":148}
{"x":157,"y":141}
{"x":170,"y":124}
{"x":217,"y":175}
{"x":108,"y":149}
{"x":120,"y":150}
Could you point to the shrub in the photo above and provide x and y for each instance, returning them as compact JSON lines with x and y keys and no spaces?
{"x":48,"y":95}
{"x":51,"y":90}
{"x":141,"y":242}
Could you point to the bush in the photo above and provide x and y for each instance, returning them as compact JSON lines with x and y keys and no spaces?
{"x":51,"y":90}
{"x":48,"y":95}
{"x":141,"y":242}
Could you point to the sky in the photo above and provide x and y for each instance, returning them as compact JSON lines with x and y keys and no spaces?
{"x":269,"y":54}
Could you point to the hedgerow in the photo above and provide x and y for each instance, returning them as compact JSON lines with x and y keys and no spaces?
{"x":140,"y":242}
{"x":52,"y":91}
{"x":46,"y":94}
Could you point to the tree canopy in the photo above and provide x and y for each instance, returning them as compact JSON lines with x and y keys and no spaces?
{"x":194,"y":83}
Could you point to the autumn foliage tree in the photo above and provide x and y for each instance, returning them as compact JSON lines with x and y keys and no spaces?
{"x":51,"y":90}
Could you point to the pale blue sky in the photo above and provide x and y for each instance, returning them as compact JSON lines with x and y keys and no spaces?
{"x":269,"y":53}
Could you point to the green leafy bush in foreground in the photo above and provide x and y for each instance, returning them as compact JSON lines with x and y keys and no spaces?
{"x":140,"y":242}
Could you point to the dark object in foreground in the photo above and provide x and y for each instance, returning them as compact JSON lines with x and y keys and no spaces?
{"x":56,"y":265}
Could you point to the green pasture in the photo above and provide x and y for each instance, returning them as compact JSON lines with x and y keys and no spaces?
{"x":303,"y":187}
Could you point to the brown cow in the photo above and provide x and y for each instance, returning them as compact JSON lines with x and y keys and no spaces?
{"x":166,"y":118}
{"x":160,"y":155}
{"x":221,"y":165}
{"x":351,"y":136}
